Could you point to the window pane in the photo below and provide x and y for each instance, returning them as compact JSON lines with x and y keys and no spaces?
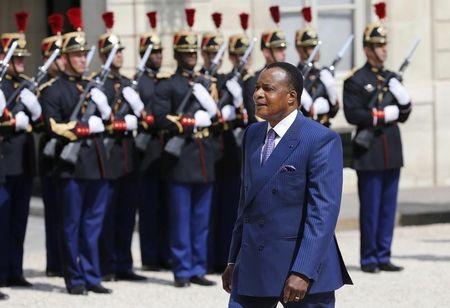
{"x":334,"y":27}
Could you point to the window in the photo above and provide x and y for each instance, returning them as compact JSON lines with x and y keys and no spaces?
{"x":335,"y":21}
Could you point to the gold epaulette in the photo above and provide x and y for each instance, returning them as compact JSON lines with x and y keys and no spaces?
{"x":352,"y":72}
{"x":248,"y":76}
{"x":90,"y":76}
{"x":23,"y":76}
{"x":163,"y":75}
{"x":47,"y":84}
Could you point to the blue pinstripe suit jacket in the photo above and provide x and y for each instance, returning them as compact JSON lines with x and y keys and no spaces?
{"x":288,"y":211}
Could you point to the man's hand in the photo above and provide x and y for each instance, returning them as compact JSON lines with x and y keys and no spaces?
{"x":295,"y":288}
{"x":227,"y":278}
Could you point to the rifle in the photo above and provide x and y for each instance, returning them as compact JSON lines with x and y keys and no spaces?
{"x":124,"y":107}
{"x":364,"y":137}
{"x":237,"y":72}
{"x":175,"y":144}
{"x":320,"y":89}
{"x":5,"y":63}
{"x":50,"y":146}
{"x":71,"y":150}
{"x":89,"y":58}
{"x":31,"y":84}
{"x":310,"y":62}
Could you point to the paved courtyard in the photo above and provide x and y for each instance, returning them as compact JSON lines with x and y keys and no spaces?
{"x":424,"y":251}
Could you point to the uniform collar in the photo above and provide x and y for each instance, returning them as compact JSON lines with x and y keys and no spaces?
{"x":373,"y":68}
{"x":151,"y":72}
{"x":72,"y":78}
{"x":186,"y":73}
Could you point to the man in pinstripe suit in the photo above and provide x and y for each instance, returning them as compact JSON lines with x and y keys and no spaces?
{"x":283,"y":247}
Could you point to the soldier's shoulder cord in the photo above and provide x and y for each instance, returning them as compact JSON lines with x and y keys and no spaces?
{"x":25,"y":77}
{"x":248,"y":75}
{"x":351,"y":74}
{"x":47,"y":84}
{"x":90,"y":76}
{"x":163,"y":75}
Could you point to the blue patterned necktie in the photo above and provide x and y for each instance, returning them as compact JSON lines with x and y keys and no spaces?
{"x":269,"y":145}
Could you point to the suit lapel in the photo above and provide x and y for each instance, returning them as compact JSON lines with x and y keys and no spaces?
{"x":287,"y":144}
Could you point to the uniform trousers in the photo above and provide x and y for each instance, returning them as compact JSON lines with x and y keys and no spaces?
{"x":226,"y":201}
{"x":152,"y":220}
{"x":377,"y":192}
{"x":53,"y":222}
{"x":84,"y":206}
{"x":118,"y":226}
{"x":189,"y":215}
{"x":14,"y":208}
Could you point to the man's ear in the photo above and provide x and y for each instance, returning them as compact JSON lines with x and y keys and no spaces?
{"x":292,"y":97}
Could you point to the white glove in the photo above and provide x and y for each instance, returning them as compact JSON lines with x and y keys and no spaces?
{"x":131,"y":122}
{"x":134,"y":100}
{"x":320,"y":106}
{"x":391,"y":113}
{"x":228,"y":113}
{"x":95,"y":125}
{"x":236,"y":91}
{"x":22,"y":121}
{"x":202,"y":119}
{"x":29,"y":99}
{"x":101,"y":101}
{"x":2,"y":102}
{"x":399,"y":91}
{"x":330,"y":85}
{"x":205,"y":99}
{"x":306,"y":100}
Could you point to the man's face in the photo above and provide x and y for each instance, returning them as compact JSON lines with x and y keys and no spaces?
{"x":76,"y":62}
{"x":208,"y":57}
{"x":273,"y":97}
{"x":117,"y":62}
{"x":377,"y":53}
{"x":305,"y":52}
{"x":273,"y":55}
{"x":57,"y":65}
{"x":155,"y":59}
{"x":188,"y":60}
{"x":18,"y":65}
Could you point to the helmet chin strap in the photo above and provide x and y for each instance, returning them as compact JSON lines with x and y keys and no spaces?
{"x":272,"y":55}
{"x":372,"y":47}
{"x":14,"y":67}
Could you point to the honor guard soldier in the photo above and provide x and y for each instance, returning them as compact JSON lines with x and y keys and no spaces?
{"x":273,"y":47}
{"x":19,"y":160}
{"x":84,"y":189}
{"x":234,"y":115}
{"x":185,"y":109}
{"x":376,"y":101}
{"x":153,"y":230}
{"x":3,"y":193}
{"x":315,"y":103}
{"x":49,"y":180}
{"x":116,"y":260}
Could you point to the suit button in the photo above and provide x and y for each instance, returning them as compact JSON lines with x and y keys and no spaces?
{"x":260,"y":248}
{"x":274,"y":190}
{"x":246,"y":220}
{"x":261,"y":223}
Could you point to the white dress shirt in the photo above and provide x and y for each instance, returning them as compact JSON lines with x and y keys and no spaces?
{"x":281,"y":128}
